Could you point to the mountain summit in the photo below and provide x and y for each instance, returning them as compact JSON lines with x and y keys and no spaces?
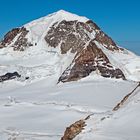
{"x":67,"y":47}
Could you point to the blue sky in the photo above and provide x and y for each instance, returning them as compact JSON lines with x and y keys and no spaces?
{"x":118,"y":18}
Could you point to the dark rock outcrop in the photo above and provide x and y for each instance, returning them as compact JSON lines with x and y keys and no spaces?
{"x":106,"y":41}
{"x":9,"y":76}
{"x":70,"y":35}
{"x":80,"y":38}
{"x":73,"y":130}
{"x":91,"y":58}
{"x":1,"y":46}
{"x":20,"y":44}
{"x":73,"y":35}
{"x":8,"y":38}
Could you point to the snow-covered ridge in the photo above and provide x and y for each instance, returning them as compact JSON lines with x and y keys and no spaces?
{"x":41,"y":25}
{"x":58,"y":16}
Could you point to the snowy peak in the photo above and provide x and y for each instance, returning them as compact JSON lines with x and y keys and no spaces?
{"x":77,"y":46}
{"x":57,"y":17}
{"x":64,"y":15}
{"x":38,"y":30}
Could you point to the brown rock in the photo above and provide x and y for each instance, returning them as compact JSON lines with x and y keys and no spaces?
{"x":1,"y":46}
{"x":106,"y":41}
{"x":8,"y":38}
{"x":123,"y":101}
{"x":92,"y":25}
{"x":73,"y":130}
{"x":70,"y":35}
{"x":73,"y":35}
{"x":90,"y":59}
{"x":21,"y":42}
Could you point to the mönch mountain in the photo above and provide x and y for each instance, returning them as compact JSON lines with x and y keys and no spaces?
{"x":92,"y":51}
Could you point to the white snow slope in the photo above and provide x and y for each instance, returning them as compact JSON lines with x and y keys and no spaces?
{"x":38,"y":112}
{"x":121,"y":125}
{"x":39,"y":109}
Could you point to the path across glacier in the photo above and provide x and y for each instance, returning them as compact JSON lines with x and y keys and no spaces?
{"x":37,"y":111}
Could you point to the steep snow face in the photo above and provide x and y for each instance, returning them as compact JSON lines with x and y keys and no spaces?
{"x":49,"y":47}
{"x":39,"y":28}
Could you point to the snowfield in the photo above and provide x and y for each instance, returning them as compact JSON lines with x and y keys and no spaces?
{"x":120,"y":125}
{"x":41,"y":112}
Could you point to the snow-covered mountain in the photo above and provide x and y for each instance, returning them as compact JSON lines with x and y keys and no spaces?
{"x":65,"y":47}
{"x":63,"y":68}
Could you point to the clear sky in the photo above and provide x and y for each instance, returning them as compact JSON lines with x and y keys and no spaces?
{"x":118,"y":18}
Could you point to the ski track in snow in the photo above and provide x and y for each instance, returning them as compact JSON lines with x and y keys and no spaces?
{"x":16,"y":135}
{"x":66,"y":106}
{"x":13,"y":104}
{"x":13,"y":134}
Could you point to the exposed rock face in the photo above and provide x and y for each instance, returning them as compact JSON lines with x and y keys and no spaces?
{"x":80,"y":38}
{"x":1,"y":46}
{"x":91,"y":58}
{"x":69,"y":35}
{"x":9,"y":76}
{"x":20,"y":44}
{"x":72,"y":131}
{"x":8,"y":38}
{"x":106,"y":41}
{"x":74,"y":35}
